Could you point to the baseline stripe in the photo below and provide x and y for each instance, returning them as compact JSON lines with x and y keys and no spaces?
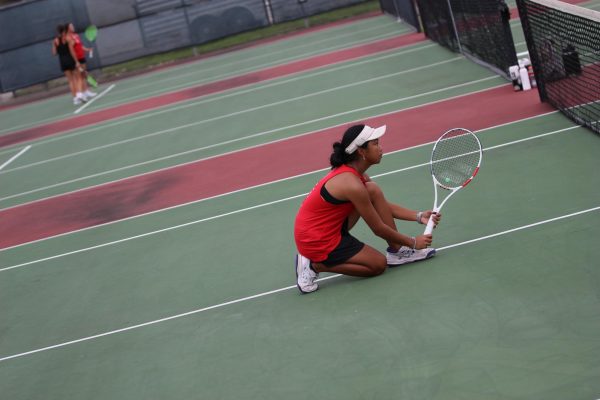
{"x":264,"y":294}
{"x":231,"y":212}
{"x":168,"y":99}
{"x":230,"y":93}
{"x":240,"y":112}
{"x":13,"y":158}
{"x":259,"y":134}
{"x":94,"y":99}
{"x":170,"y":71}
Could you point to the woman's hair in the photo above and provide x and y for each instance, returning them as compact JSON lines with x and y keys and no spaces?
{"x":339,"y":156}
{"x":60,"y":29}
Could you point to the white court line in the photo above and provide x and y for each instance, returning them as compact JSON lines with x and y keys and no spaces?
{"x":86,"y":249}
{"x":237,"y":113}
{"x":182,"y":71}
{"x":289,"y":43}
{"x":279,"y":61}
{"x":223,"y":76}
{"x":234,"y":92}
{"x":254,"y":68}
{"x":250,"y":137}
{"x":264,"y":294}
{"x":485,"y":149}
{"x":13,"y":158}
{"x":108,"y":89}
{"x":221,"y":215}
{"x":247,"y":110}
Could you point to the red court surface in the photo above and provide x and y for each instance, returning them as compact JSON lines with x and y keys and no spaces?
{"x":246,"y":168}
{"x":167,"y":99}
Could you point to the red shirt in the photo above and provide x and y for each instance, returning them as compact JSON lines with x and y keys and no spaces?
{"x":318,"y":225}
{"x":78,"y":46}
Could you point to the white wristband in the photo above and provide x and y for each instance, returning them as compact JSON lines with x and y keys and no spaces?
{"x":414,"y":242}
{"x":419,"y":216}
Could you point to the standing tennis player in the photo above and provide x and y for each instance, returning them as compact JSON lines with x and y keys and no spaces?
{"x":334,"y":206}
{"x":84,"y":93}
{"x":63,"y":47}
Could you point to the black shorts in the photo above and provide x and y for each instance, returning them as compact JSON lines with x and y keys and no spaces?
{"x":67,"y":66}
{"x":66,"y":62}
{"x":348,"y":247}
{"x":81,"y":60}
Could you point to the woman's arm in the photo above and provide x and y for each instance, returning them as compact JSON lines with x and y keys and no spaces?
{"x":356,"y":192}
{"x":72,"y":51}
{"x":406,"y":214}
{"x":400,"y":212}
{"x":54,"y":46}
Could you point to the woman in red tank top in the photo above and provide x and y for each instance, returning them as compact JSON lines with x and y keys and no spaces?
{"x":336,"y":203}
{"x":83,"y":91}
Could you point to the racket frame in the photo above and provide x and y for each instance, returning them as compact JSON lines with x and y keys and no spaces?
{"x":90,"y":33}
{"x":437,"y":184}
{"x":91,"y":81}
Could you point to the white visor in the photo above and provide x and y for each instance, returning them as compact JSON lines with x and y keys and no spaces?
{"x":364,"y":136}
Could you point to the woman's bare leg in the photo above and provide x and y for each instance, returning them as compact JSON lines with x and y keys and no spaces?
{"x":69,"y":75}
{"x":383,"y":209}
{"x":83,"y":73}
{"x":367,"y":262}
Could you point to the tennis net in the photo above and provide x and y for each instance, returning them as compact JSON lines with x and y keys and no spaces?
{"x":479,"y":29}
{"x":564,"y":48}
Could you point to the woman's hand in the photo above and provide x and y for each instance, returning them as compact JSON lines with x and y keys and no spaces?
{"x":422,"y":241}
{"x":425,"y":217}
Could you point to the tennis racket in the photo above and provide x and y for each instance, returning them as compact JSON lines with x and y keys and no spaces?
{"x":88,"y":77}
{"x":91,"y":32}
{"x":455,"y":161}
{"x":91,"y":80}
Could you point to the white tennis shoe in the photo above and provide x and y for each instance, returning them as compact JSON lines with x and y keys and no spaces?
{"x":81,"y":97}
{"x":90,"y":94}
{"x":407,"y":255}
{"x":305,"y":276}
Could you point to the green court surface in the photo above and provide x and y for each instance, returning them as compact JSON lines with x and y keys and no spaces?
{"x":199,"y":301}
{"x":214,"y":68}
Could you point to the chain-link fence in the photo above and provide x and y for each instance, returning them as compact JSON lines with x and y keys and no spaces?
{"x":406,"y":10}
{"x":130,"y":29}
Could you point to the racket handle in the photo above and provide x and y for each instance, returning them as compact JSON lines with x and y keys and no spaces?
{"x":429,"y":227}
{"x":430,"y":223}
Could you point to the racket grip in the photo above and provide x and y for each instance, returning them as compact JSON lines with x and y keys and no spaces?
{"x":430,"y":225}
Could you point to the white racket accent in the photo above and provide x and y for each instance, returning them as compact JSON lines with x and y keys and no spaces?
{"x":446,"y":160}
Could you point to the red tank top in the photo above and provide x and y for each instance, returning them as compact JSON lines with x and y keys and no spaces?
{"x":78,"y":46}
{"x":318,"y":225}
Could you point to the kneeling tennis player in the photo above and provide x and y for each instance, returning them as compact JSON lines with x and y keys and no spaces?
{"x":335,"y":204}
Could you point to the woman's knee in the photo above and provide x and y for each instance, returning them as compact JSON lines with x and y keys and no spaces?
{"x":379,"y":265}
{"x":374,"y":191}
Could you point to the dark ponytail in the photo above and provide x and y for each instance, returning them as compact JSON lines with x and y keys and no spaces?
{"x":339,"y":156}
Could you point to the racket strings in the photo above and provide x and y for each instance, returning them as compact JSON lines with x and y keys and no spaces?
{"x":91,"y":32}
{"x":455,"y":158}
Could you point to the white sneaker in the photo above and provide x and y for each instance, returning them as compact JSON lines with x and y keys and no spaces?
{"x":305,"y":276}
{"x":81,"y":97}
{"x":407,"y":255}
{"x":90,"y":94}
{"x":76,"y":101}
